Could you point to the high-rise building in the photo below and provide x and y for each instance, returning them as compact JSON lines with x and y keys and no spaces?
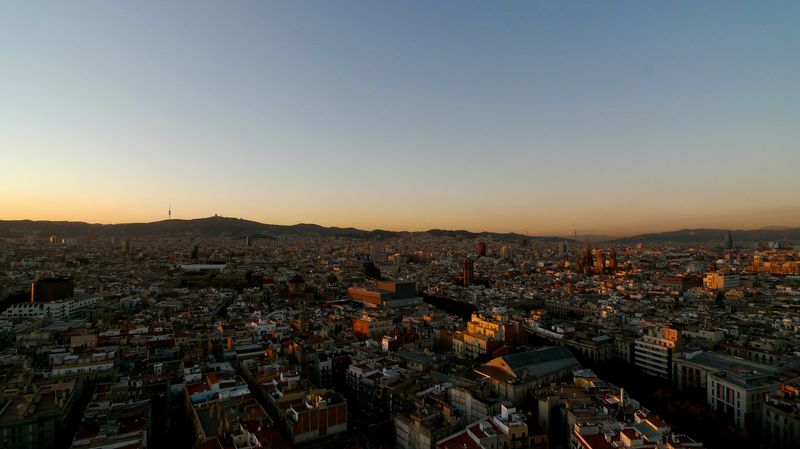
{"x":468,"y":271}
{"x":480,"y":249}
{"x":507,"y":252}
{"x":728,"y":240}
{"x":612,"y":259}
{"x":601,"y":262}
{"x":587,"y":260}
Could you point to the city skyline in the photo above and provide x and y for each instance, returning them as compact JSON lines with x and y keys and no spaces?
{"x":414,"y":225}
{"x":573,"y":234}
{"x":612,"y":119}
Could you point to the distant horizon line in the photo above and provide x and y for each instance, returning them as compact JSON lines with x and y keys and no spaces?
{"x":568,"y":236}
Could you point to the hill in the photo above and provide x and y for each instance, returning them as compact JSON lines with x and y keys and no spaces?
{"x":216,"y":225}
{"x":237,"y":227}
{"x":716,"y":236}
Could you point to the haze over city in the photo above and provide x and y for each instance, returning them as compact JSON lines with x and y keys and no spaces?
{"x":611,"y":118}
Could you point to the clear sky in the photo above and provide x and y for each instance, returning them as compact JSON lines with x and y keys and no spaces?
{"x":609,"y":117}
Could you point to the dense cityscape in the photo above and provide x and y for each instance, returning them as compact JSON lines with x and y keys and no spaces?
{"x":350,"y":224}
{"x":424,"y":340}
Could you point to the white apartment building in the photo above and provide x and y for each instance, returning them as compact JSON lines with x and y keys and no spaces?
{"x":653,"y":353}
{"x":63,"y":309}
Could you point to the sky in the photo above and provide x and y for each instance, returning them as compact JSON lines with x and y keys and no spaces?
{"x":613,"y":117}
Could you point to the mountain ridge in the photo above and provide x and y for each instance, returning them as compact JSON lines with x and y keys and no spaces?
{"x":217,"y":225}
{"x":709,"y":235}
{"x":238,"y":227}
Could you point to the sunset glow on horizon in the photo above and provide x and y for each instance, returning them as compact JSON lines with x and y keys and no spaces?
{"x":538,"y":118}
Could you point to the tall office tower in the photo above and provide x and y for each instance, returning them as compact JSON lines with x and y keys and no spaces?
{"x":587,"y":261}
{"x":728,"y":240}
{"x":612,"y":259}
{"x":601,"y":262}
{"x":480,"y":248}
{"x":562,"y":248}
{"x":468,"y":271}
{"x":507,"y":252}
{"x":195,"y":250}
{"x":125,"y":245}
